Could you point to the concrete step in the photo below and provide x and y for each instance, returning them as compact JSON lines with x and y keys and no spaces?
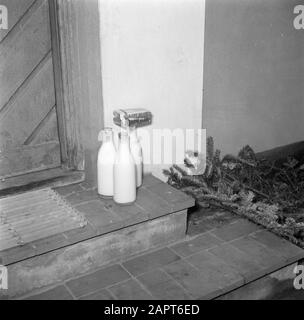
{"x":113,"y":233}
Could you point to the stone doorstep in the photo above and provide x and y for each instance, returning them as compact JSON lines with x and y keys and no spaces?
{"x":104,"y":216}
{"x":64,"y":263}
{"x":113,"y":233}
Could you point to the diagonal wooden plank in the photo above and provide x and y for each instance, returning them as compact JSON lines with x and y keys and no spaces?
{"x":23,"y":49}
{"x":29,"y":107}
{"x":46,"y":131}
{"x":16,"y":10}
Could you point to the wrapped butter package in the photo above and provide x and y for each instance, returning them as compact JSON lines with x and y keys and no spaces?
{"x":137,"y":117}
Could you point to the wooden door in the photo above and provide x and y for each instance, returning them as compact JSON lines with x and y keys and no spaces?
{"x":28,"y":111}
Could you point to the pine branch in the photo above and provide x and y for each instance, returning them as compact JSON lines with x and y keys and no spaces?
{"x":180,"y":170}
{"x":229,"y":183}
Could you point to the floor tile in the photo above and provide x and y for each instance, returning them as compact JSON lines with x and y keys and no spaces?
{"x":177,"y":199}
{"x":129,"y":290}
{"x":216,"y":270}
{"x":162,"y":286}
{"x":98,"y":216}
{"x":262,"y":256}
{"x":97,"y":280}
{"x":83,"y":196}
{"x":188,"y":247}
{"x":149,"y":180}
{"x":197,"y":283}
{"x":154,"y":205}
{"x":129,"y":215}
{"x":279,"y":245}
{"x":235,"y":230}
{"x":147,"y":262}
{"x":239,"y":260}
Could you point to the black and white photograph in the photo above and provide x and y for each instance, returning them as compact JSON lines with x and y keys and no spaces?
{"x":151,"y":153}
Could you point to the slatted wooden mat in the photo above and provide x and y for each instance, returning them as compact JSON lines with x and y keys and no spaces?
{"x":34,"y":215}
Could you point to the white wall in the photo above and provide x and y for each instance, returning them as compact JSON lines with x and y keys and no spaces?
{"x":254,"y":74}
{"x":152,"y":57}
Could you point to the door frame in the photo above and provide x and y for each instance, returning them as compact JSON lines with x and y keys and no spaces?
{"x":77,"y":30}
{"x":78,"y":84}
{"x":66,"y":84}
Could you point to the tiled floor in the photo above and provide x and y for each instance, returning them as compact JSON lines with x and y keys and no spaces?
{"x":200,"y":267}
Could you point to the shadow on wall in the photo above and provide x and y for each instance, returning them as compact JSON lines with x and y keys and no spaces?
{"x":253,"y":74}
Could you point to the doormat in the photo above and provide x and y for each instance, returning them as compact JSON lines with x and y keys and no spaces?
{"x":35,"y":215}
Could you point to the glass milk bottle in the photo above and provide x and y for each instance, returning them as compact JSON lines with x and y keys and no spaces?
{"x":136,"y":151}
{"x":124,"y":173}
{"x":105,"y":164}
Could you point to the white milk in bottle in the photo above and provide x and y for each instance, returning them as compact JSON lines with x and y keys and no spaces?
{"x":136,"y":151}
{"x":124,"y":172}
{"x":105,"y":164}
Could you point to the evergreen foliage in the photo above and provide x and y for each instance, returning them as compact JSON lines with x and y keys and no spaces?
{"x":266,"y":192}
